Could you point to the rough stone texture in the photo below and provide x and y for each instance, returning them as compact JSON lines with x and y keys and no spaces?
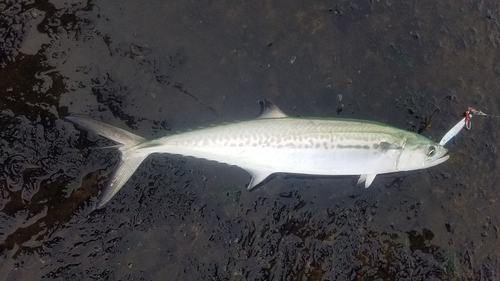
{"x":157,"y":67}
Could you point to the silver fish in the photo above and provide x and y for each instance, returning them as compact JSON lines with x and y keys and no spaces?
{"x":275,"y":142}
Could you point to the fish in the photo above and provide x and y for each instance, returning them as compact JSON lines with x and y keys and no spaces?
{"x":277,"y":143}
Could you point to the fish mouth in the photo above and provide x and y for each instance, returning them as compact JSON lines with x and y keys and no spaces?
{"x":436,"y":161}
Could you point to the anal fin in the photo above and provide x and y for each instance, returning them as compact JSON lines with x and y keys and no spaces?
{"x":258,"y":176}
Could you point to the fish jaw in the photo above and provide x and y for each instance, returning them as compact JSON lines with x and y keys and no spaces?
{"x":435,"y":162}
{"x":439,"y":157}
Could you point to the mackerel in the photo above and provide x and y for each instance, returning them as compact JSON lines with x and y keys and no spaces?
{"x":276,"y":143}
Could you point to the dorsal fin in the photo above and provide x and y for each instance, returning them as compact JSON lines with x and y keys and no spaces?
{"x":270,"y":110}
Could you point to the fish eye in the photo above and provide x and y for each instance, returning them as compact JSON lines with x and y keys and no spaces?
{"x":432,"y":151}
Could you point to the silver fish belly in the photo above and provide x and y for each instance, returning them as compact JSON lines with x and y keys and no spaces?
{"x":275,"y":142}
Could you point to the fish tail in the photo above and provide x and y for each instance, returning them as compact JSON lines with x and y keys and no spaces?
{"x":131,"y":156}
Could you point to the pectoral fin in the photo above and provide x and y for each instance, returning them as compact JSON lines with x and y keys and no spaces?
{"x":385,"y":146}
{"x":367,"y":179}
{"x":257,"y":177}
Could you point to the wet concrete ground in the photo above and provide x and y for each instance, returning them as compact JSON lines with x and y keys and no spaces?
{"x":158,"y":67}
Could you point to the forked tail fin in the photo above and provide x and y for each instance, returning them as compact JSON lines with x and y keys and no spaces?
{"x":131,"y":157}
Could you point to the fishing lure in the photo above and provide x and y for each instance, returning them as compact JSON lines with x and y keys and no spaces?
{"x":464,"y":122}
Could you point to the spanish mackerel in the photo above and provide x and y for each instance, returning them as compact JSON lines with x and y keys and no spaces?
{"x":275,"y":142}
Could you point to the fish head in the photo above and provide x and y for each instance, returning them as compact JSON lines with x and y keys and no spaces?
{"x":420,"y":154}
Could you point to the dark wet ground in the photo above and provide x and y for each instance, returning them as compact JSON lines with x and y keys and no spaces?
{"x":157,"y":67}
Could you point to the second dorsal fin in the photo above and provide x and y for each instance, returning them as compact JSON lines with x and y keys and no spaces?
{"x":270,"y":110}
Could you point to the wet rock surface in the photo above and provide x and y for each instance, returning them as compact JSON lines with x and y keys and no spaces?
{"x":156,"y":68}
